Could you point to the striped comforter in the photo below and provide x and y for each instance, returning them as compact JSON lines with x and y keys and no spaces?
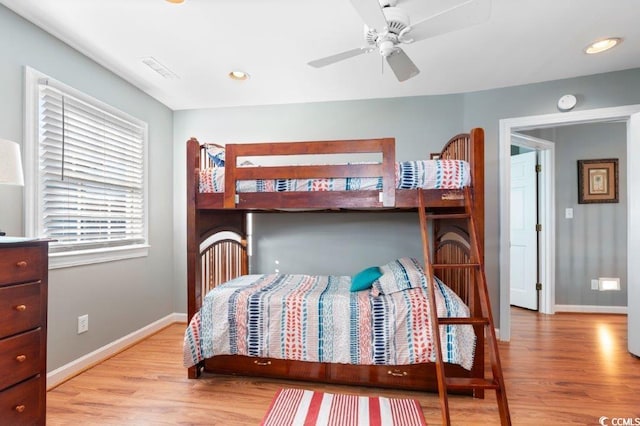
{"x":317,"y":318}
{"x":426,"y":174}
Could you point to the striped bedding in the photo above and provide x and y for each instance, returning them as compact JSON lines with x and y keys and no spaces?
{"x":317,"y":318}
{"x":426,"y":174}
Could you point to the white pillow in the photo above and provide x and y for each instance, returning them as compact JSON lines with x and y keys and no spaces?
{"x":399,"y":275}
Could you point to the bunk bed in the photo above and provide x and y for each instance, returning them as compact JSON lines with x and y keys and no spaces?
{"x":216,"y":238}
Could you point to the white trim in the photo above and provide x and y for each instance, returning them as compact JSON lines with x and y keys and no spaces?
{"x":69,"y":370}
{"x":32,"y":208}
{"x":592,"y":309}
{"x":547,"y":205}
{"x":633,"y":235}
{"x":87,"y":257}
{"x":30,"y":157}
{"x":508,"y":126}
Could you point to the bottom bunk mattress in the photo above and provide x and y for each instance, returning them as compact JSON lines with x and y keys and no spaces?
{"x":318,"y":319}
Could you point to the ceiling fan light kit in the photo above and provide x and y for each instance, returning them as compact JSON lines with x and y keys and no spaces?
{"x":387,"y":28}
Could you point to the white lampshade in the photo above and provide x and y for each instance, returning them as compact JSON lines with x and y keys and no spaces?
{"x":10,"y":163}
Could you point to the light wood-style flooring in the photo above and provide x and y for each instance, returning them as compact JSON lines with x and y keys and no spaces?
{"x":563,"y":369}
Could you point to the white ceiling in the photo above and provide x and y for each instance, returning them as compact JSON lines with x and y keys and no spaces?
{"x":524,"y":41}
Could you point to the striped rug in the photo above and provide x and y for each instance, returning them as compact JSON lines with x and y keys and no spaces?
{"x":298,"y":407}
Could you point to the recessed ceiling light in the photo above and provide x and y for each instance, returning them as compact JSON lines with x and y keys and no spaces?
{"x":238,"y":75}
{"x":175,"y":1}
{"x":602,"y":45}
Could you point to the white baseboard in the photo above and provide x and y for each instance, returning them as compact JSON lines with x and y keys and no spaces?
{"x":67,"y":371}
{"x":591,"y":309}
{"x":179,"y":317}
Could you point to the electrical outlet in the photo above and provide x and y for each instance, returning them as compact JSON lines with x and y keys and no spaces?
{"x":594,"y":285}
{"x":83,"y":324}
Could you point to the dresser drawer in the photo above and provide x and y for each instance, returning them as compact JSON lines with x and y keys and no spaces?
{"x":20,"y":404}
{"x":19,"y":357}
{"x":19,"y":308}
{"x":20,"y":265}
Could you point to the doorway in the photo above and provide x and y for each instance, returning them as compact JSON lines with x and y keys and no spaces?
{"x":628,"y":114}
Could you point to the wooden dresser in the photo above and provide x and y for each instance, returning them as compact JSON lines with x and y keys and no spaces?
{"x":23,"y":332}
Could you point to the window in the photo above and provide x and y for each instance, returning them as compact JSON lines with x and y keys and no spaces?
{"x":85,"y":175}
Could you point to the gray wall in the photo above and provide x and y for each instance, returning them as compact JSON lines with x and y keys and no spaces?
{"x":332,"y":244}
{"x":594,"y":243}
{"x":119,"y":297}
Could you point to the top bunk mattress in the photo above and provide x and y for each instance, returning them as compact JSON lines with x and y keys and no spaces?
{"x":425,"y":174}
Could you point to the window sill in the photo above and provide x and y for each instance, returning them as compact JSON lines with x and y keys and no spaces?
{"x":88,"y":257}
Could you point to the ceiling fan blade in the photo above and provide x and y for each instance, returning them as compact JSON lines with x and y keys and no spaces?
{"x":462,"y":15}
{"x":401,"y":65}
{"x":318,"y":63}
{"x":371,"y":13}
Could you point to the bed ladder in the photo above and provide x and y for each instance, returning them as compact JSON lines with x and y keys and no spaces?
{"x":485,"y":319}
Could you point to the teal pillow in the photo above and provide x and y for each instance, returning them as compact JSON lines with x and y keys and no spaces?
{"x":365,"y":278}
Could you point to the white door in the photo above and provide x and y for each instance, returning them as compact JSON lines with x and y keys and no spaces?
{"x":524,"y":249}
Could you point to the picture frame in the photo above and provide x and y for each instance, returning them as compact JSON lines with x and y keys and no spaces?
{"x":598,"y":181}
{"x":434,"y":156}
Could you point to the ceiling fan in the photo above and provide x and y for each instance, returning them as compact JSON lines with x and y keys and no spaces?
{"x":387,"y":27}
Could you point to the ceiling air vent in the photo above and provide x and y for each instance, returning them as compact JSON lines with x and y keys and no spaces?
{"x":165,"y":72}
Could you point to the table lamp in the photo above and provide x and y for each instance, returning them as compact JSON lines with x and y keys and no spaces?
{"x":10,"y":165}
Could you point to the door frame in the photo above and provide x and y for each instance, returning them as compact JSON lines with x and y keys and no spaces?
{"x":546,"y":205}
{"x":507,"y":127}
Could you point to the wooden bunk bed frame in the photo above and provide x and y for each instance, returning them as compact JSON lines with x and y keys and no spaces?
{"x":211,"y":213}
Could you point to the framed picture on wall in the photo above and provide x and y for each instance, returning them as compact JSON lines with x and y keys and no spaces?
{"x":598,"y":181}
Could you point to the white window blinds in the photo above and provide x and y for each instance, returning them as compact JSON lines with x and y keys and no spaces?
{"x":91,"y":177}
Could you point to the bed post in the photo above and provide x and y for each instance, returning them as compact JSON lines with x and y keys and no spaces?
{"x":194,"y":296}
{"x":477,"y":180}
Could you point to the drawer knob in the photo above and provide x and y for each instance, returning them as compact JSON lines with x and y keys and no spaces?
{"x":21,"y":308}
{"x":20,"y":408}
{"x":21,"y":358}
{"x":397,"y":373}
{"x":262,"y":363}
{"x":22,"y":264}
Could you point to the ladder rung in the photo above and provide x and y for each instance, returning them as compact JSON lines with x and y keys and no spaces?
{"x":454,"y":265}
{"x":464,"y":320}
{"x":448,"y":216}
{"x":471,"y":383}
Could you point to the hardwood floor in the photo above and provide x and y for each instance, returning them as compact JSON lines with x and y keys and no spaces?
{"x":564,"y":369}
